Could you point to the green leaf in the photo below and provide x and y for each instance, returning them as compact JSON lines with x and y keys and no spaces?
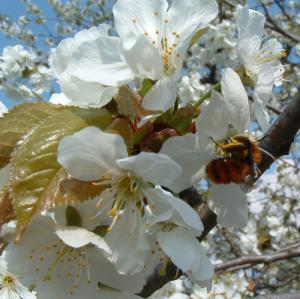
{"x":183,"y":118}
{"x":34,"y":162}
{"x":147,"y":84}
{"x":64,"y":190}
{"x":18,"y":121}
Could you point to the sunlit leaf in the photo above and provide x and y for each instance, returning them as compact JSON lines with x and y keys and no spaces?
{"x":34,"y":161}
{"x":63,"y":189}
{"x":18,"y":121}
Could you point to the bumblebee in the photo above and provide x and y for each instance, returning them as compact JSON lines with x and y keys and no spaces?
{"x":239,"y":159}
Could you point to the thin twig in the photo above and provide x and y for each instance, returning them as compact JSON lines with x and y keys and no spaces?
{"x":249,"y":261}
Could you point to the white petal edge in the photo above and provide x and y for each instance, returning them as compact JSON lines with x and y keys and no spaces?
{"x":89,"y":153}
{"x":77,"y":237}
{"x":151,"y":167}
{"x":229,"y":202}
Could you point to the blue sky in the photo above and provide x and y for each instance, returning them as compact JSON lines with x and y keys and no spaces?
{"x":15,"y":9}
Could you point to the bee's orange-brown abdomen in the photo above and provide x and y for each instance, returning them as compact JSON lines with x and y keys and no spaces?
{"x":225,"y":171}
{"x":217,"y":171}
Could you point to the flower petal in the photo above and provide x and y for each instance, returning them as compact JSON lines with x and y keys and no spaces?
{"x":214,"y":120}
{"x":186,"y":151}
{"x":162,"y":95}
{"x":3,"y":108}
{"x":194,"y":260}
{"x":61,"y":57}
{"x":86,"y":94}
{"x":100,"y":61}
{"x":188,"y":16}
{"x":203,"y":270}
{"x":224,"y":116}
{"x":89,"y":153}
{"x":139,"y":17}
{"x":250,"y":22}
{"x":247,"y":49}
{"x":107,"y":274}
{"x":77,"y":237}
{"x":237,"y":98}
{"x":146,"y":63}
{"x":152,"y":167}
{"x":128,"y":242}
{"x":183,"y":215}
{"x":177,"y":242}
{"x":261,"y":96}
{"x":229,"y":202}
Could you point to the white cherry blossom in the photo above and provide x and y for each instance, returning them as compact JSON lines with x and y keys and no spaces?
{"x":177,"y":226}
{"x":93,"y":155}
{"x":260,"y":58}
{"x":165,"y":34}
{"x":153,"y":41}
{"x":66,"y":261}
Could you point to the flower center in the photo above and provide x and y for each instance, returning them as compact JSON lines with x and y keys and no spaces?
{"x":7,"y":281}
{"x":127,"y":186}
{"x":169,"y":54}
{"x":166,"y":42}
{"x":264,"y":56}
{"x":125,"y":192}
{"x":268,"y":55}
{"x":58,"y":261}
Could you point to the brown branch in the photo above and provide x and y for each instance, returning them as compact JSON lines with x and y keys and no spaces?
{"x":273,"y":26}
{"x":249,"y":261}
{"x":277,"y":143}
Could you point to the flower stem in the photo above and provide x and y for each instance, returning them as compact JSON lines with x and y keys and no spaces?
{"x":216,"y":87}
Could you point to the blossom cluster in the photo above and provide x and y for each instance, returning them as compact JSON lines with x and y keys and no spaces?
{"x":22,"y":75}
{"x":107,"y":245}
